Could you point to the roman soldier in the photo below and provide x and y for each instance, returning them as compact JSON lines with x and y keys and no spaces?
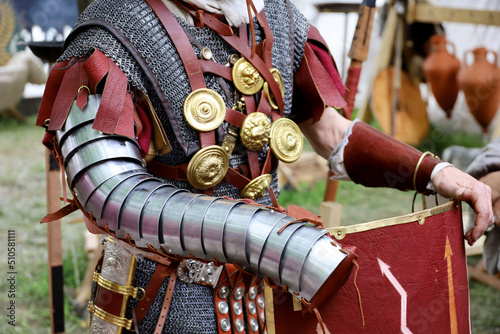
{"x":170,"y":118}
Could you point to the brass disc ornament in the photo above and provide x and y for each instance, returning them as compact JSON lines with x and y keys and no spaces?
{"x":257,"y":187}
{"x":204,"y":110}
{"x":255,"y":131}
{"x":246,"y":78}
{"x":207,"y":167}
{"x":286,"y":140}
{"x":267,"y":93}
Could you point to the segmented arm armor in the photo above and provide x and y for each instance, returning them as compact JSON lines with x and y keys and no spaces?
{"x":107,"y":176}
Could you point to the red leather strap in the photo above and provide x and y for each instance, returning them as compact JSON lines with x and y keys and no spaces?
{"x":65,"y":97}
{"x":264,"y":106}
{"x":207,"y":138}
{"x":234,"y":176}
{"x":51,"y":89}
{"x":181,"y":43}
{"x":161,"y":272}
{"x":166,"y":304}
{"x":125,"y":125}
{"x":234,"y":117}
{"x":96,"y":67}
{"x":253,"y":163}
{"x":63,"y":212}
{"x":250,"y":106}
{"x":113,"y":106}
{"x":215,"y":24}
{"x":267,"y":44}
{"x":243,"y":33}
{"x":216,"y":68}
{"x":266,"y":169}
{"x":236,"y":179}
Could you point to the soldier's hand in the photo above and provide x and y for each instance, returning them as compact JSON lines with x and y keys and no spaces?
{"x":450,"y":182}
{"x":493,"y":180}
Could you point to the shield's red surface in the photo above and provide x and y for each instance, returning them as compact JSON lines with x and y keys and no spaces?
{"x":412,"y":278}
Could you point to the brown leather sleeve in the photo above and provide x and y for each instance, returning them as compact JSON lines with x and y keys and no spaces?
{"x":374,"y":159}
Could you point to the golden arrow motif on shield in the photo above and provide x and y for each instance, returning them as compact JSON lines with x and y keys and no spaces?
{"x":451,"y":291}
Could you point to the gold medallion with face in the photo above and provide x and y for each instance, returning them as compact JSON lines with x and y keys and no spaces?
{"x":246,"y":78}
{"x":255,"y":131}
{"x":257,"y":187}
{"x":207,"y":167}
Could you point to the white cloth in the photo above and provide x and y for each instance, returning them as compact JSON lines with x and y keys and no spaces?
{"x":336,"y":159}
{"x":235,"y":11}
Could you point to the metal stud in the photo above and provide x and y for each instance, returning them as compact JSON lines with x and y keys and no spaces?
{"x":254,"y":325}
{"x":223,"y":292}
{"x":238,"y":294}
{"x":237,"y":308}
{"x":261,"y":302}
{"x":253,"y":292}
{"x":239,"y":325}
{"x":263,"y":317}
{"x":232,"y":59}
{"x":225,"y":325}
{"x":251,"y":308}
{"x":206,"y":53}
{"x":223,"y":307}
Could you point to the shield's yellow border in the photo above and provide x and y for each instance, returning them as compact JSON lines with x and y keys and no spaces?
{"x":340,"y":232}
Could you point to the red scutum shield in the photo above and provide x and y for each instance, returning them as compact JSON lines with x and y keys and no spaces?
{"x":412,"y":278}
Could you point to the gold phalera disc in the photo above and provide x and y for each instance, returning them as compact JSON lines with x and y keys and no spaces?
{"x":204,"y":110}
{"x":286,"y":140}
{"x":257,"y":187}
{"x":207,"y":167}
{"x":267,"y":93}
{"x":246,"y":78}
{"x":255,"y":131}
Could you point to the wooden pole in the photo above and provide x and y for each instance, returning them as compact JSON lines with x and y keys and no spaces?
{"x":383,"y":60}
{"x":54,"y":246}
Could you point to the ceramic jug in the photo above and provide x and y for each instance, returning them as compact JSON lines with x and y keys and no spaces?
{"x":481,"y":85}
{"x":440,"y":70}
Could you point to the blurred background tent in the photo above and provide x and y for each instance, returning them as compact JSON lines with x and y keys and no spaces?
{"x":464,"y":36}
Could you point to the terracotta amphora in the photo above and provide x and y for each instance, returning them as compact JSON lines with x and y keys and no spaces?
{"x":481,"y":85}
{"x":440,"y":70}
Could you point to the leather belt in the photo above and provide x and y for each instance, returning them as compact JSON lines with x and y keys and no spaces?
{"x":238,"y":177}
